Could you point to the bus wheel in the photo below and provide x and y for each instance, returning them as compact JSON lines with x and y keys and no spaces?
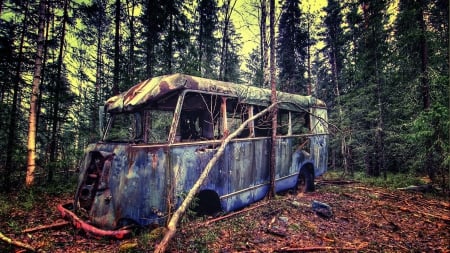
{"x":305,"y":180}
{"x":208,"y":203}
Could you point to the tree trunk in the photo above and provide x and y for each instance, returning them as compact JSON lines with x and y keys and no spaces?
{"x":56,"y":98}
{"x":115,"y":88}
{"x":224,"y":50}
{"x":424,"y":59}
{"x":172,"y":225}
{"x":31,"y":146}
{"x":263,"y":43}
{"x":132,"y":42}
{"x":273,"y":99}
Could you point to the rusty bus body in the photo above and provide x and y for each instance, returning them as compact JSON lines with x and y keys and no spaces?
{"x":162,"y":133}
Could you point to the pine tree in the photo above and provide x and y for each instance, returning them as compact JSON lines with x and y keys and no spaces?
{"x":229,"y":60}
{"x":31,"y":146}
{"x":206,"y":40}
{"x":291,"y":48}
{"x":153,"y":16}
{"x":17,"y":82}
{"x":333,"y":51}
{"x":364,"y":103}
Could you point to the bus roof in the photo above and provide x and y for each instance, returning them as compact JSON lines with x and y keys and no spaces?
{"x":153,"y":89}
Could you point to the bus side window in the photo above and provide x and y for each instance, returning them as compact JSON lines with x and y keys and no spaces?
{"x":237,"y":113}
{"x":283,"y":127}
{"x":263,"y":125}
{"x":206,"y":125}
{"x":300,"y":123}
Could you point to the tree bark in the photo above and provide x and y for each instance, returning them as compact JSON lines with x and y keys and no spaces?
{"x":115,"y":88}
{"x":225,"y":38}
{"x":172,"y":225}
{"x":263,"y":43}
{"x":31,"y":145}
{"x":273,"y":99}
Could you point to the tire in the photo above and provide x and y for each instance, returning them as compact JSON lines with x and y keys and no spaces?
{"x":305,"y":180}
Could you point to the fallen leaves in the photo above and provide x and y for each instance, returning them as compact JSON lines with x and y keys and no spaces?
{"x":364,"y":219}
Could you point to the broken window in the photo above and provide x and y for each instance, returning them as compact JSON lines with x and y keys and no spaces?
{"x":263,"y":125}
{"x":124,"y":127}
{"x":157,"y":125}
{"x":199,"y":118}
{"x":292,"y":123}
{"x":236,"y":114}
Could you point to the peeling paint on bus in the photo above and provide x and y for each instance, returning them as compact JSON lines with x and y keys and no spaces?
{"x":138,"y":182}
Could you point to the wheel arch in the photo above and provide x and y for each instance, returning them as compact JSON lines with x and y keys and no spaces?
{"x":207,"y":202}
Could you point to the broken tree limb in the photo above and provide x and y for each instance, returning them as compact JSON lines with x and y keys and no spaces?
{"x":16,"y":243}
{"x":234,"y":213}
{"x":53,"y":225}
{"x":172,"y":226}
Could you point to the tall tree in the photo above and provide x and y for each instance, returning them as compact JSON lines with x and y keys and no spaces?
{"x":228,"y":57}
{"x":334,"y":41}
{"x":273,"y":99}
{"x":263,"y":45}
{"x":152,"y":19}
{"x":115,"y":88}
{"x":420,"y":42}
{"x":291,"y":48}
{"x":206,"y":40}
{"x":31,"y":145}
{"x":375,"y":49}
{"x":58,"y":92}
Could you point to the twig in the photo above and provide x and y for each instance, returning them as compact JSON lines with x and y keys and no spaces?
{"x":17,"y":243}
{"x":53,"y":225}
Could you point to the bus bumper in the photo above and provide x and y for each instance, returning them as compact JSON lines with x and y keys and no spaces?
{"x":88,"y":228}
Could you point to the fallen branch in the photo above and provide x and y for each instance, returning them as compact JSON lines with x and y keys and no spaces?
{"x":172,"y":226}
{"x":53,"y":225}
{"x":417,"y":188}
{"x":234,"y":213}
{"x":17,"y":243}
{"x":316,"y":248}
{"x":337,"y":182}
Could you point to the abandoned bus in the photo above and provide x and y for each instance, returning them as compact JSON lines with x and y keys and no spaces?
{"x":162,"y":132}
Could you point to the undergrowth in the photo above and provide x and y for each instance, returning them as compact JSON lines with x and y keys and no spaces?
{"x":392,"y":180}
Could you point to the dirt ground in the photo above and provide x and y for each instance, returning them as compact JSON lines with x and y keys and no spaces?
{"x":360,"y":219}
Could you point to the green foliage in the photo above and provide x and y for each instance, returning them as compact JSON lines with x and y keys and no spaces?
{"x":27,"y":199}
{"x":292,"y":46}
{"x":5,"y":206}
{"x":392,"y":181}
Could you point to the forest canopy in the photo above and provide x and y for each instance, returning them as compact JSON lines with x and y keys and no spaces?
{"x":382,"y":68}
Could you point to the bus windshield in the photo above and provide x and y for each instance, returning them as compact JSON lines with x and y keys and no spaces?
{"x":124,"y":127}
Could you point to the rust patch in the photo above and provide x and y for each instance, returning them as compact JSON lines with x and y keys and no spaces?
{"x":164,"y":86}
{"x":191,"y":83}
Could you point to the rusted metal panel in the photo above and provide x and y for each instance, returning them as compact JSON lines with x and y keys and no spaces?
{"x":133,"y":189}
{"x":319,"y":141}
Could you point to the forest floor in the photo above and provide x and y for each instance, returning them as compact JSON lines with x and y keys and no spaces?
{"x":363,"y":219}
